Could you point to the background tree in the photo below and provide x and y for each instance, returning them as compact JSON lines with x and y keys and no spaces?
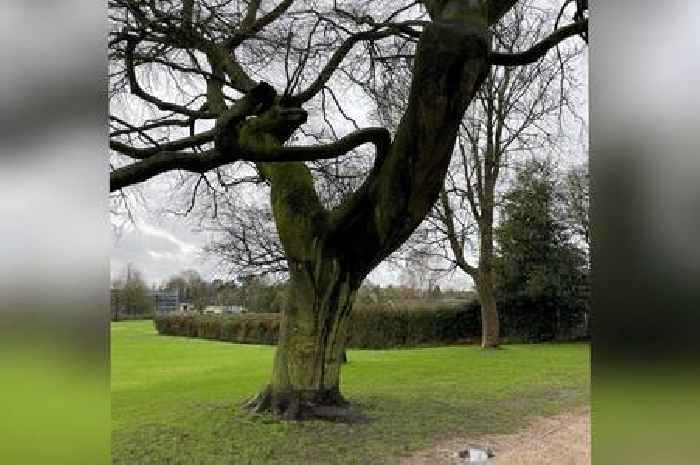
{"x":515,"y":114}
{"x":134,"y":296}
{"x":227,"y":293}
{"x":260,"y":295}
{"x":576,"y":198}
{"x":542,"y":274}
{"x":191,"y":288}
{"x":116,"y":302}
{"x":245,"y":242}
{"x":211,"y":111}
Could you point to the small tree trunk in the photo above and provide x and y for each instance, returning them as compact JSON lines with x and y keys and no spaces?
{"x":486,"y":287}
{"x":306,"y":373}
{"x":490,"y":326}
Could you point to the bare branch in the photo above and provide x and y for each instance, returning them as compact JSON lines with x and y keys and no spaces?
{"x":540,"y":49}
{"x":137,"y":90}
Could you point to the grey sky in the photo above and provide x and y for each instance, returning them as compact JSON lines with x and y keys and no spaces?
{"x":160,"y":245}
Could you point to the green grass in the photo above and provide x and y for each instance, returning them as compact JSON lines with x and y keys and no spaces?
{"x":177,"y":400}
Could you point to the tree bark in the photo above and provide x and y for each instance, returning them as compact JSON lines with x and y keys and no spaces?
{"x":485,"y":283}
{"x":306,"y":372}
{"x":490,"y":326}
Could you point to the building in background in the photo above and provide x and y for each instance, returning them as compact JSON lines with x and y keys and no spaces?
{"x":223,"y":310}
{"x":166,"y":300}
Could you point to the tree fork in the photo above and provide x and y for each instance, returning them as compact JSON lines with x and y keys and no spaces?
{"x":330,"y":253}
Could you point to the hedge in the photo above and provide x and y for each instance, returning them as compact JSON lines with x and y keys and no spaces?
{"x":379,"y":327}
{"x":254,"y":328}
{"x":369,"y":328}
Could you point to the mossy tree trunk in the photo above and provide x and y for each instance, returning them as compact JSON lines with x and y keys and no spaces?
{"x":306,"y":372}
{"x":330,"y":252}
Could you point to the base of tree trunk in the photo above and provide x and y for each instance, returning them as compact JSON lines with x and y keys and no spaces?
{"x":488,"y":346}
{"x":491,"y":343}
{"x":298,"y":405}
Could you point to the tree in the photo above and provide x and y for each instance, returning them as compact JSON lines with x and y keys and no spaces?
{"x":227,"y":294}
{"x":304,"y":48}
{"x":542,"y":276}
{"x":512,"y":116}
{"x":417,"y":272}
{"x":261,"y":295}
{"x":191,"y":288}
{"x":576,"y":197}
{"x":135,"y":297}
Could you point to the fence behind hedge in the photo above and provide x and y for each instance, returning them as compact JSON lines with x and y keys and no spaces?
{"x":376,"y":327}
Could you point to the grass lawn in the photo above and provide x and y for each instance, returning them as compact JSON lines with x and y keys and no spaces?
{"x":177,"y":400}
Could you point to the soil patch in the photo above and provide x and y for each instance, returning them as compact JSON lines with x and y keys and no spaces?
{"x":563,"y":439}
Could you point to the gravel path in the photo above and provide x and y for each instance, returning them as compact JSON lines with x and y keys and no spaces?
{"x":558,"y":440}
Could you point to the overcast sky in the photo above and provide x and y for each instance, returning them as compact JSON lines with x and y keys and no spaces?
{"x":161,"y":244}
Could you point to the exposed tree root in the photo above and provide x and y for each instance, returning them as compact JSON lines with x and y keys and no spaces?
{"x":327,"y":405}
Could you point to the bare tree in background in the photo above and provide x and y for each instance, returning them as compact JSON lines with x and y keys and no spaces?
{"x":245,"y":242}
{"x":513,"y":116}
{"x":576,"y":197}
{"x":233,"y":78}
{"x":131,"y":295}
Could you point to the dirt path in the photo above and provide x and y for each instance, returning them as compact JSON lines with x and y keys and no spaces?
{"x":559,"y":440}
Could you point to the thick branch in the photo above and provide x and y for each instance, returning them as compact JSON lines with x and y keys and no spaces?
{"x":398,"y":194}
{"x":250,"y":15}
{"x":164,"y":161}
{"x":540,"y":49}
{"x":380,"y":137}
{"x":146,"y":127}
{"x":180,"y":144}
{"x":498,"y":8}
{"x":259,"y":98}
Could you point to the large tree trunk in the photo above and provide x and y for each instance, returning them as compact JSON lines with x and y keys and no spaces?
{"x":306,"y":373}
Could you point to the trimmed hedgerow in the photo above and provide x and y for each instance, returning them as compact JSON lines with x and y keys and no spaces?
{"x":383,"y":327}
{"x":255,"y":328}
{"x":375,"y":328}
